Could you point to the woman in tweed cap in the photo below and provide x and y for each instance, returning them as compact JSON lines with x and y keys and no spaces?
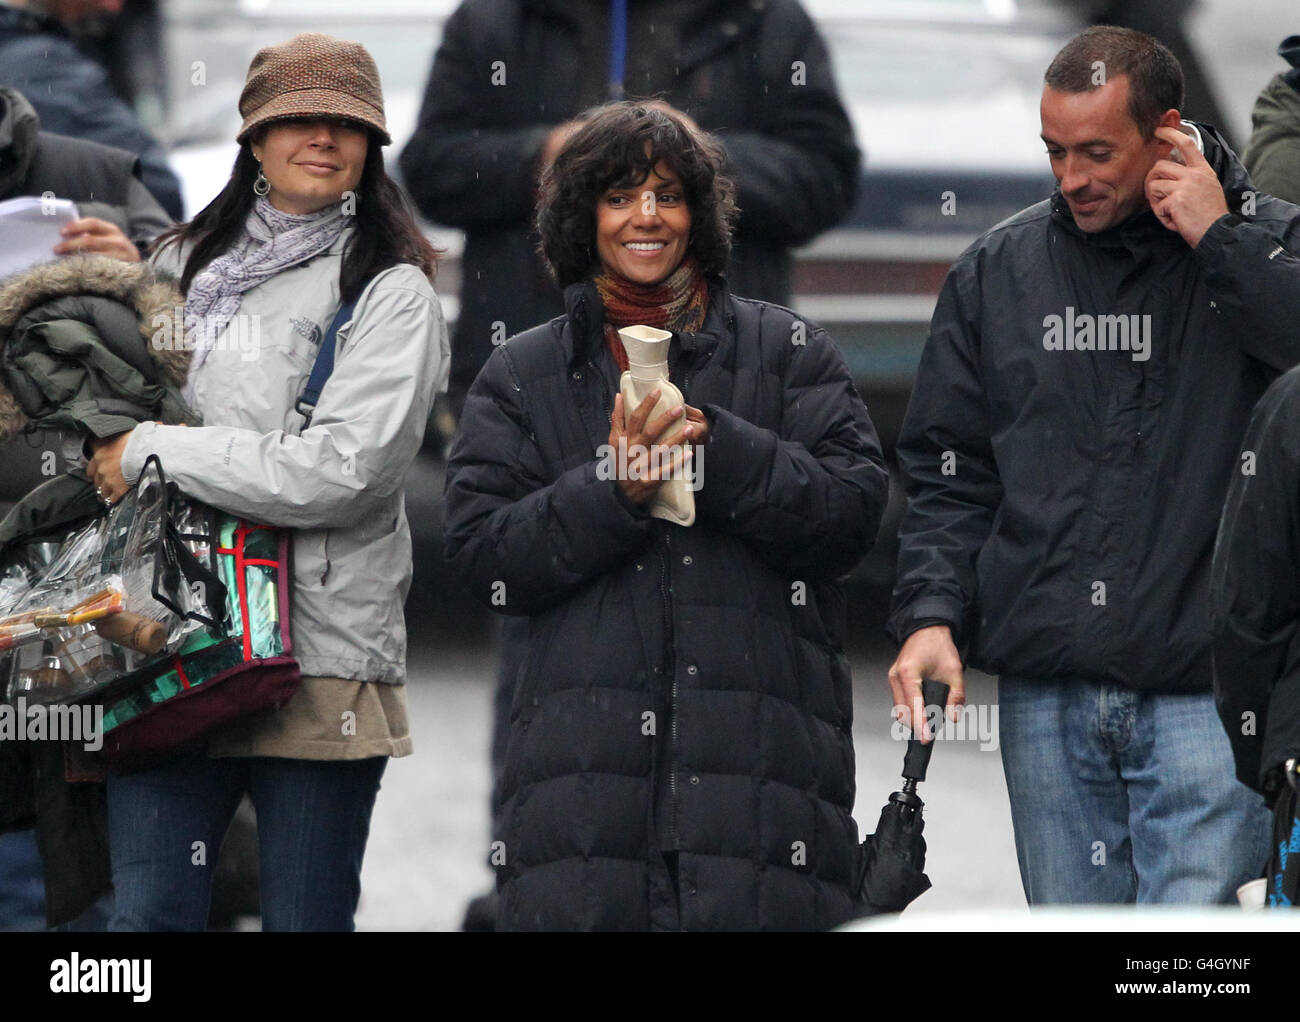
{"x":308,"y":224}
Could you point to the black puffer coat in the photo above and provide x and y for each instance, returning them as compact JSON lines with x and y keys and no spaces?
{"x":683,"y":689}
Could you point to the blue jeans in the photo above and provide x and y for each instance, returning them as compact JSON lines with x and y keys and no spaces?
{"x":1125,"y":796}
{"x":22,"y":883}
{"x":165,"y":828}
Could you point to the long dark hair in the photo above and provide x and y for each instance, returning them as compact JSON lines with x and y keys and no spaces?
{"x":384,"y":235}
{"x":617,"y":146}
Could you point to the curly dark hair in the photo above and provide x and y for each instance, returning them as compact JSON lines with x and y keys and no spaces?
{"x":616,"y":147}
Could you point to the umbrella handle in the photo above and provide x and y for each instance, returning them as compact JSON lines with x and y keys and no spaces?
{"x":917,"y":759}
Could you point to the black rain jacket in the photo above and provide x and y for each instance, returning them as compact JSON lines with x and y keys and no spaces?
{"x":683,"y":689}
{"x":1256,"y":592}
{"x":1063,"y":504}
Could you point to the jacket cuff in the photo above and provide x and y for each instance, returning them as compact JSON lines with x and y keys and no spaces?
{"x":138,"y":448}
{"x":636,"y":510}
{"x":925,"y":611}
{"x":1210,"y":248}
{"x":613,"y":509}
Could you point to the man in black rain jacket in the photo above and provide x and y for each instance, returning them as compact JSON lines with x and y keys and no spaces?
{"x":1074,"y":427}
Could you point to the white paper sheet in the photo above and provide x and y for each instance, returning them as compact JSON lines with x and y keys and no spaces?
{"x":29,"y":230}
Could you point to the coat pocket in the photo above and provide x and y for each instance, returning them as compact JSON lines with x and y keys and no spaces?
{"x":311,"y":558}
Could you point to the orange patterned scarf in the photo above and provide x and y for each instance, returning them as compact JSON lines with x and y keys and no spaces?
{"x":679,"y":302}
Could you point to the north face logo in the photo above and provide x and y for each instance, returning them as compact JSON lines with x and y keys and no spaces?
{"x":308,"y":329}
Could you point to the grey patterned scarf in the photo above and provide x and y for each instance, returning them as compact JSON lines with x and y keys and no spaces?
{"x":280,"y":240}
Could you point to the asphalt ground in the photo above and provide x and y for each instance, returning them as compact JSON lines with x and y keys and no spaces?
{"x":429,"y":835}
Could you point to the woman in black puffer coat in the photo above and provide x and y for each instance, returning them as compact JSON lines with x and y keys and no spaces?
{"x":680,"y":753}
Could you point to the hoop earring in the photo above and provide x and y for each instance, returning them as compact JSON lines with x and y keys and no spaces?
{"x":261,"y":186}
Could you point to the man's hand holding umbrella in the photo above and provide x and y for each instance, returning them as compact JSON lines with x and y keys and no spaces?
{"x":927,"y":654}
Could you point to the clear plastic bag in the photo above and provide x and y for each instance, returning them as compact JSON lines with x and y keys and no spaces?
{"x":78,"y":618}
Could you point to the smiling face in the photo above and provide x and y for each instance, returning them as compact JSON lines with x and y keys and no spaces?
{"x":643,"y":229}
{"x":311,"y":163}
{"x":1098,"y":155}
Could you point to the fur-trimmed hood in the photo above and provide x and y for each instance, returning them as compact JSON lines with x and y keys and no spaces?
{"x":133,"y":286}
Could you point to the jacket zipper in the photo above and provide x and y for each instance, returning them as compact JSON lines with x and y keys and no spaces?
{"x":666,"y":558}
{"x":670,"y":658}
{"x":671,"y":667}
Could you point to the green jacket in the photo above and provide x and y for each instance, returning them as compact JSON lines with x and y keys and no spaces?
{"x":1273,"y":156}
{"x":85,"y":345}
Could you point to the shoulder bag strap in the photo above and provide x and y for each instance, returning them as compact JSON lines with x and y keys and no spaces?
{"x":320,"y":372}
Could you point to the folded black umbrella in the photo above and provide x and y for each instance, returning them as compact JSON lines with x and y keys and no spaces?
{"x":891,"y":872}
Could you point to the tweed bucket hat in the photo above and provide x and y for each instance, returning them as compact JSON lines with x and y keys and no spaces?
{"x":312,"y":75}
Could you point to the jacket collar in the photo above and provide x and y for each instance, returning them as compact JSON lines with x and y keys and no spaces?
{"x":1229,"y":169}
{"x":586,"y":319}
{"x":711,"y":28}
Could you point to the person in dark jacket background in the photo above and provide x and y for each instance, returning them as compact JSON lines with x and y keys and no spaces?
{"x":680,"y":752}
{"x":1256,"y":592}
{"x":121,"y":217}
{"x":1273,"y":156}
{"x":511,"y":77}
{"x":120,"y":220}
{"x":71,"y":92}
{"x":1090,"y":370}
